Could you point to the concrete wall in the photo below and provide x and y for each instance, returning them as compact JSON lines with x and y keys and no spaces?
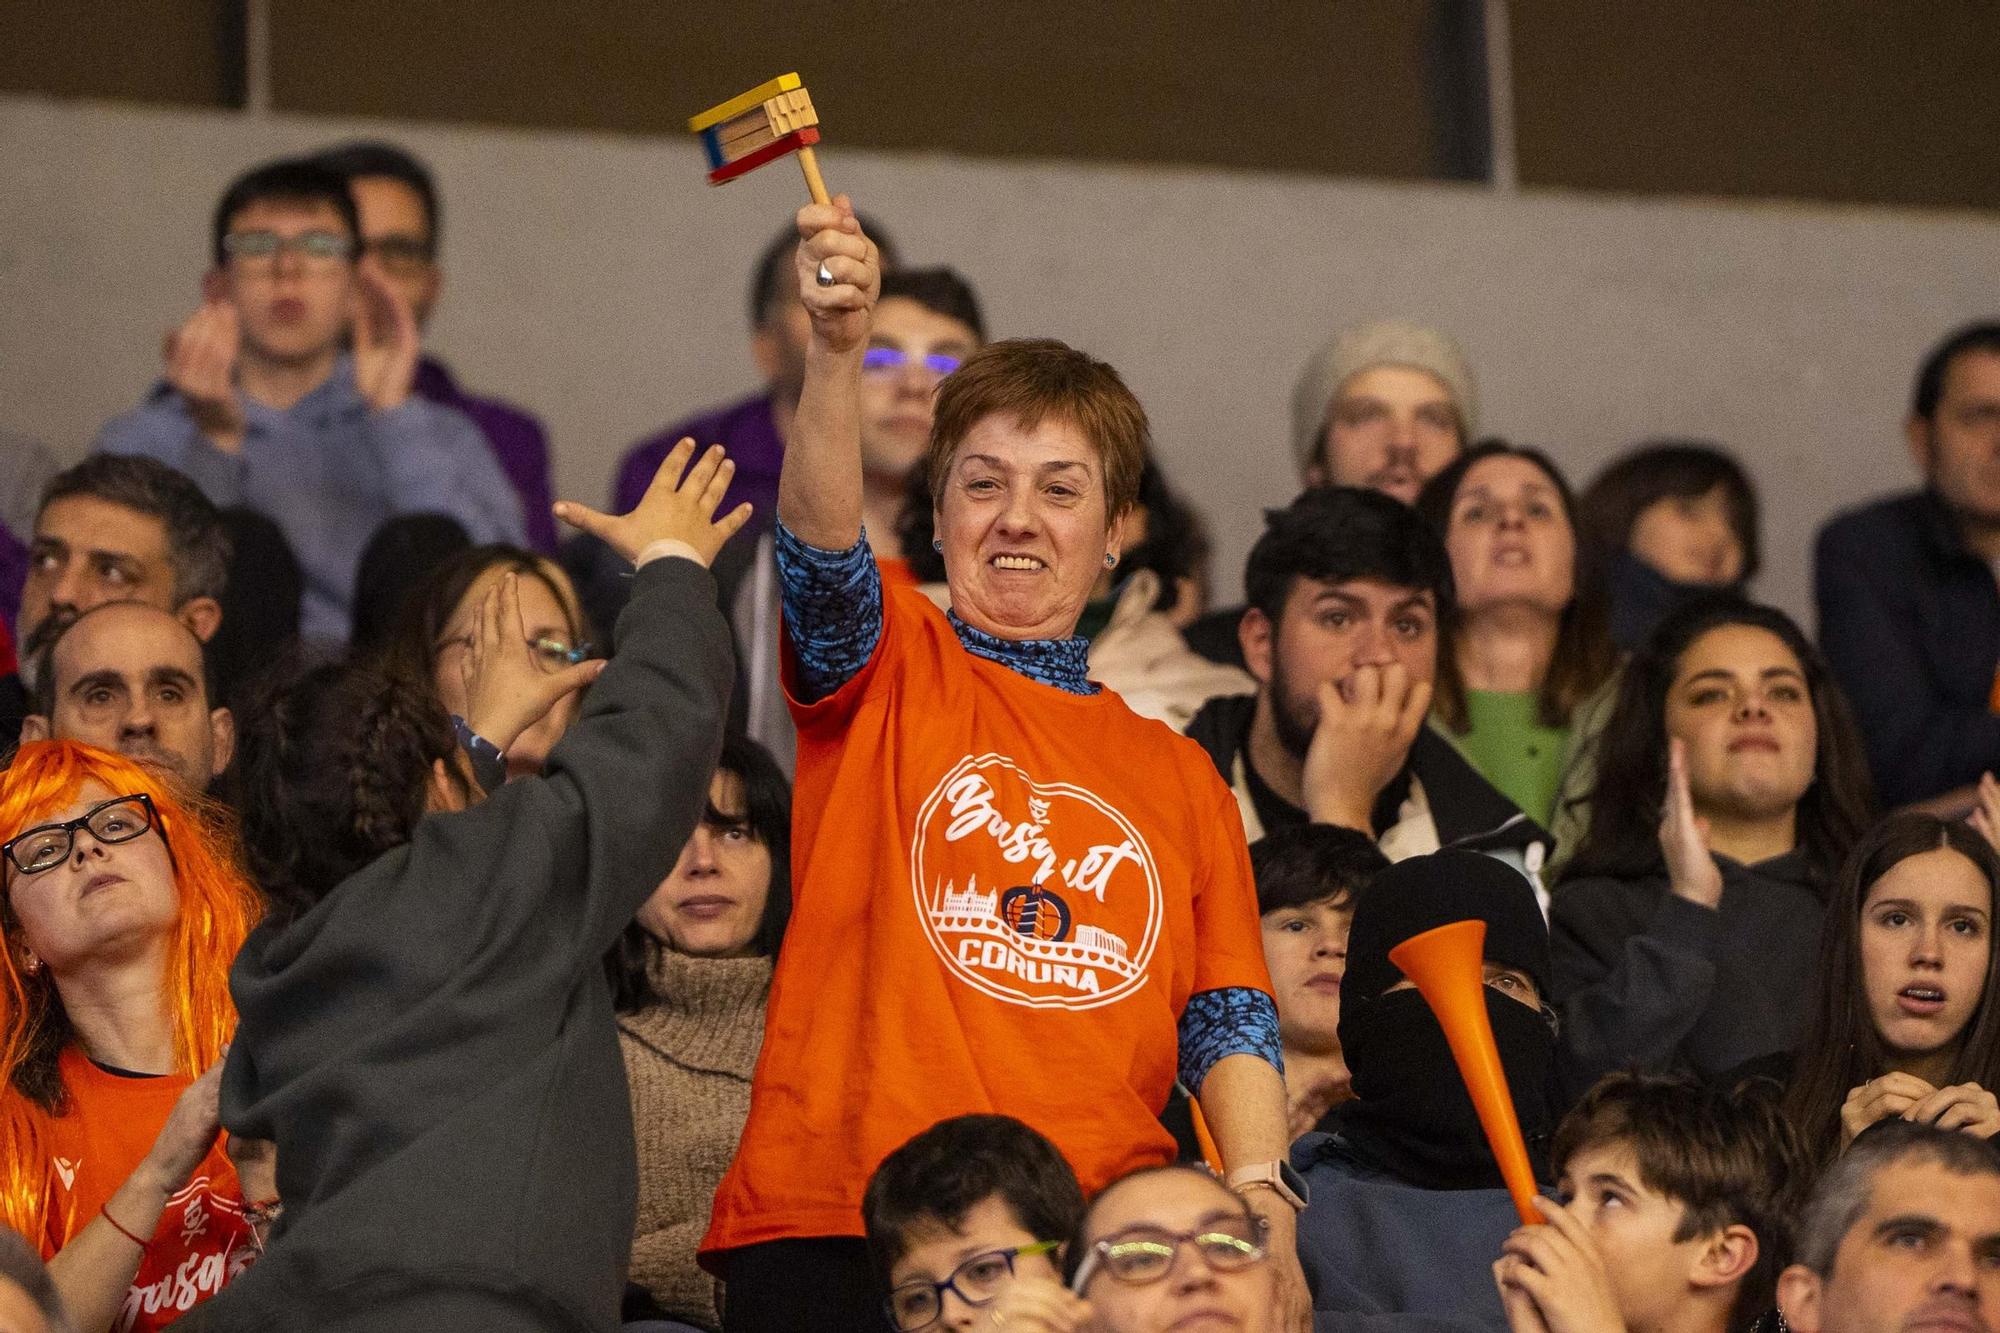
{"x":598,"y":280}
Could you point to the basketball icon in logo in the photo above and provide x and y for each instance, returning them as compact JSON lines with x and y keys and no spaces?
{"x":1079,"y":925}
{"x":1035,"y":912}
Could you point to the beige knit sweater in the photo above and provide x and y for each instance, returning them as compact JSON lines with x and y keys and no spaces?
{"x":689,"y":1059}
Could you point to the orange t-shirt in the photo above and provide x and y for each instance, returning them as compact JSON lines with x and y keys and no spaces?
{"x":1005,"y":894}
{"x":202,"y":1241}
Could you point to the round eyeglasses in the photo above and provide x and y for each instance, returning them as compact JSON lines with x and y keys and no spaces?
{"x":1143,"y":1254}
{"x":977,"y":1281}
{"x":46,"y":846}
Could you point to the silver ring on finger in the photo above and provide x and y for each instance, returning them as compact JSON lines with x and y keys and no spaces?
{"x":825,"y":275}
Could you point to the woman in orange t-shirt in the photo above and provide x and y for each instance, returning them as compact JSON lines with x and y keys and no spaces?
{"x":121,"y":913}
{"x":1012,"y":894}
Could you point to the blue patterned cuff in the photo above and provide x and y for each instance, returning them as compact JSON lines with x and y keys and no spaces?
{"x":833,"y":610}
{"x":1232,"y":1021}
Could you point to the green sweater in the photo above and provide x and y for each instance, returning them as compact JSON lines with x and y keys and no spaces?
{"x":1514,"y":751}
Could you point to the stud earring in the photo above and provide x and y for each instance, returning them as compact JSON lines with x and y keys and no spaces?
{"x":937,"y":544}
{"x":1111,"y":559}
{"x":31,"y":964}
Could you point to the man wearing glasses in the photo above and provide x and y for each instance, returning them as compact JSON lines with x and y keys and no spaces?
{"x":398,"y":203}
{"x":264,"y":405}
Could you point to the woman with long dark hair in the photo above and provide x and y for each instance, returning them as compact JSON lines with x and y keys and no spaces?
{"x":690,"y":978}
{"x":1900,"y":1019}
{"x":1730,"y":786}
{"x":1528,"y":645}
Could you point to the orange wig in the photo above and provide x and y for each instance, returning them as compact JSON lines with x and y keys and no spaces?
{"x":217,"y":908}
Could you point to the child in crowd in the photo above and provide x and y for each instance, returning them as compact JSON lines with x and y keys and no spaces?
{"x":1168,"y":1248}
{"x":1308,"y":877}
{"x":1676,"y":1210}
{"x":1663,"y":525}
{"x":1899,"y":1020}
{"x":1730,"y":785}
{"x":966,"y":1225}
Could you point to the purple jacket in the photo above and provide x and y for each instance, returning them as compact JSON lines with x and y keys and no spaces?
{"x":750,"y":434}
{"x":519,"y":444}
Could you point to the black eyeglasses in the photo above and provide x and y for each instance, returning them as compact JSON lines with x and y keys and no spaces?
{"x":120,"y":819}
{"x":1144,"y":1254}
{"x":977,"y":1282}
{"x":400,"y":254}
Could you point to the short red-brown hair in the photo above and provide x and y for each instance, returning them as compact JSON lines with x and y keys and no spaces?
{"x":1036,"y":379}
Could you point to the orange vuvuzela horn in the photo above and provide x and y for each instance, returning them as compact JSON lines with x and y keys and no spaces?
{"x":1449,"y":968}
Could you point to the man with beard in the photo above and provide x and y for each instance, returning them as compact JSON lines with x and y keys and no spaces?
{"x":1383,"y":406}
{"x":1909,"y":611}
{"x":116,"y":529}
{"x":1407,"y":1203}
{"x":132,"y":678}
{"x":1350,"y":601}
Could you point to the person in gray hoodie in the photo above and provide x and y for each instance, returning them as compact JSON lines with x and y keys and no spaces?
{"x":1730,"y":786}
{"x":424,"y":1025}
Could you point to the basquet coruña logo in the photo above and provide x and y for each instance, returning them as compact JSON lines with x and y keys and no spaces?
{"x":1041,"y":894}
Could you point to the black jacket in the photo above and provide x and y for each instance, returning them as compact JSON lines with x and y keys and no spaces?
{"x":1468,"y":810}
{"x":1646,"y":980}
{"x":432,"y":1045}
{"x":1909,"y":620}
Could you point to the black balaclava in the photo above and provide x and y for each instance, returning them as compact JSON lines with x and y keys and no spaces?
{"x":1412,"y":1116}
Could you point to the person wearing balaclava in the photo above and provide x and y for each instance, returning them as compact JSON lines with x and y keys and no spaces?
{"x":1407,"y":1203}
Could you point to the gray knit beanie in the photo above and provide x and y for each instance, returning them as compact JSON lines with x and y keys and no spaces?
{"x":1386,"y":343}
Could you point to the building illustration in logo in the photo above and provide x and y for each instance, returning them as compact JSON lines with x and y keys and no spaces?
{"x":1039,"y":894}
{"x":970,"y":917}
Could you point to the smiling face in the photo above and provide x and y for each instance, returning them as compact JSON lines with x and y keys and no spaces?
{"x":102,"y":903}
{"x":293,"y":307}
{"x":1926,"y":939}
{"x":1391,"y":429}
{"x":712,"y":904}
{"x":1510,"y":539}
{"x":1305,"y":948}
{"x":1740,"y":703}
{"x":1192,"y":1297}
{"x":1024,"y":524}
{"x":1923,"y":1256}
{"x":1689,"y":538}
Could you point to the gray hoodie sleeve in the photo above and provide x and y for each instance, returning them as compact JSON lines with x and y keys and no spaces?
{"x":1634,"y":970}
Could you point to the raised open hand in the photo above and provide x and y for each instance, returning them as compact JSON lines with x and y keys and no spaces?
{"x":507,"y":688}
{"x":1691,"y":870}
{"x":679,"y":505}
{"x":386,"y":341}
{"x":831,"y":239}
{"x":201,"y":366}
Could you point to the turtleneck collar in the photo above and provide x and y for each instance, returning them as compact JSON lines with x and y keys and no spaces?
{"x":710,"y":1014}
{"x":1063,"y":663}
